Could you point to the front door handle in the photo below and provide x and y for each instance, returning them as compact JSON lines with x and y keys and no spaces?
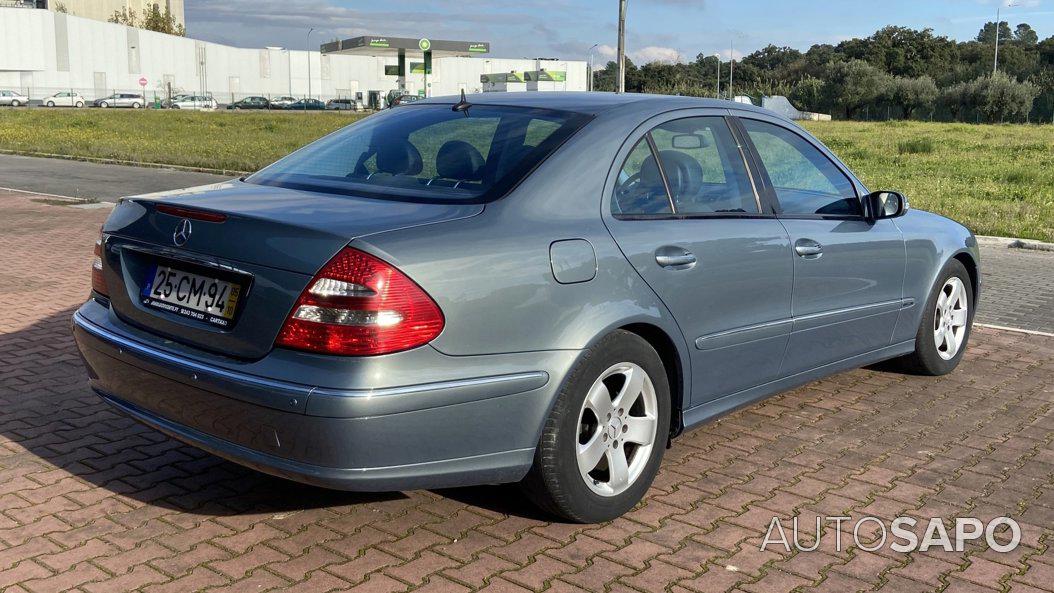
{"x":808,"y":249}
{"x":674,"y":258}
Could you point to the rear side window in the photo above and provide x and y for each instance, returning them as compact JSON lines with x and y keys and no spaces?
{"x":639,"y":188}
{"x":428,"y":153}
{"x":699,"y":162}
{"x":703,"y":166}
{"x":805,"y":180}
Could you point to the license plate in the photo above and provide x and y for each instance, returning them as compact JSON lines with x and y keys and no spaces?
{"x":190,"y":295}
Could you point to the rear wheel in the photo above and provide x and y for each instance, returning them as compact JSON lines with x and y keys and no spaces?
{"x":79,"y":104}
{"x":603,"y":442}
{"x":946,"y":322}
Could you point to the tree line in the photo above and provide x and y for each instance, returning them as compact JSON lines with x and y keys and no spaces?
{"x":897,"y":72}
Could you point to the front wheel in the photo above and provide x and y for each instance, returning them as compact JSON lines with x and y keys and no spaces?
{"x":946,"y":322}
{"x":136,"y":105}
{"x":16,"y":103}
{"x":104,"y":104}
{"x":79,"y":105}
{"x":50,"y":103}
{"x":604,"y":439}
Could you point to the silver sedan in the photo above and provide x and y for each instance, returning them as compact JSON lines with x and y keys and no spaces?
{"x":542,"y":288}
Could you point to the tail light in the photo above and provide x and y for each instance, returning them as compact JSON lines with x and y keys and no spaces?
{"x":359,"y":305}
{"x":98,"y":282}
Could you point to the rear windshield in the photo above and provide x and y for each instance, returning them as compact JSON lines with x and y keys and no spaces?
{"x":427,"y":153}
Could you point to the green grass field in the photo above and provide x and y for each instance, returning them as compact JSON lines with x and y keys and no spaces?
{"x":997,"y":179}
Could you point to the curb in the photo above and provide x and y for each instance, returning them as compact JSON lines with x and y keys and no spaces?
{"x":1014,"y":243}
{"x":105,"y":161}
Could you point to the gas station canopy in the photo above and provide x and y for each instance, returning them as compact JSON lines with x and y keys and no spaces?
{"x":373,"y":45}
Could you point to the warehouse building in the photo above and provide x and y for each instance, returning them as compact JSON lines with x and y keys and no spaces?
{"x":43,"y":52}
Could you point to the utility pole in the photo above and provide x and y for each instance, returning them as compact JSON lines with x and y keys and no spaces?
{"x":718,"y":56}
{"x":590,"y":85}
{"x":309,"y":32}
{"x":621,"y":88}
{"x":731,"y":69}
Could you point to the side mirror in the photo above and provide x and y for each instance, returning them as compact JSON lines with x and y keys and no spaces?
{"x":886,"y":204}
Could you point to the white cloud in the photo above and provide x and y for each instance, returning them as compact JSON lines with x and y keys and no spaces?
{"x":606,"y":51}
{"x":738,"y":55}
{"x":654,"y":53}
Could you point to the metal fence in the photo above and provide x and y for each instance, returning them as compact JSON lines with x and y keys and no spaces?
{"x":160,"y":98}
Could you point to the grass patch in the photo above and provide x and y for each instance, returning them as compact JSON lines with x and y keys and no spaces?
{"x":233,"y":141}
{"x":916,"y":146}
{"x":996,"y":179}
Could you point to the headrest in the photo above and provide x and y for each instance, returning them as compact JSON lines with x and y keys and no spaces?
{"x":399,"y":157}
{"x":459,"y":160}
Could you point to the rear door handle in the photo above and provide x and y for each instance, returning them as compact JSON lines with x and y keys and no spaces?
{"x":808,"y":249}
{"x":675,"y":258}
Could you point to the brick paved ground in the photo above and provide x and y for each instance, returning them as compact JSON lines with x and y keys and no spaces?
{"x":1018,"y":289}
{"x":90,"y":501}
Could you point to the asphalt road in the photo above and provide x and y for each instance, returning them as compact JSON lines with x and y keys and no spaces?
{"x":92,"y":180}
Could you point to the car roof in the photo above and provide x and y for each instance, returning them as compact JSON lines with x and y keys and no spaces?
{"x":594,"y":102}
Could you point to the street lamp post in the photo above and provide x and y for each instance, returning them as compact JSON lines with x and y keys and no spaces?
{"x":731,"y":69}
{"x":995,"y":62}
{"x":621,"y":87}
{"x":590,"y":85}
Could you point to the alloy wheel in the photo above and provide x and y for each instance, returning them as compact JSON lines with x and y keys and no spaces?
{"x":949,"y":320}
{"x":617,"y":427}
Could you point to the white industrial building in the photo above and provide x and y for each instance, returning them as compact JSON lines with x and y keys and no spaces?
{"x":42,"y":52}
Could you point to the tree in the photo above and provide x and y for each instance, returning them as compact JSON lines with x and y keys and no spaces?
{"x":854,"y":84}
{"x":987,"y":33}
{"x":153,"y":19}
{"x":912,"y":93}
{"x":808,"y":93}
{"x":1026,"y":35}
{"x":1002,"y":97}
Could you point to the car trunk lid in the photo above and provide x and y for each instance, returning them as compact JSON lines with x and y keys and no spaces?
{"x":267,"y":241}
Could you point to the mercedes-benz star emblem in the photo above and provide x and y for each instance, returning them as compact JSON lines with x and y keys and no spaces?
{"x":182,"y":233}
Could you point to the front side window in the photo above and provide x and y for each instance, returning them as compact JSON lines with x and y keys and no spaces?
{"x":428,"y":152}
{"x":806,"y":182}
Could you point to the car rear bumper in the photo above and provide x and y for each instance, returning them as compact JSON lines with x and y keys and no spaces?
{"x":474,"y":430}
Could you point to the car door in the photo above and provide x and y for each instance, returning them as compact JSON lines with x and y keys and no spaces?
{"x":684,"y":210}
{"x":848,"y":270}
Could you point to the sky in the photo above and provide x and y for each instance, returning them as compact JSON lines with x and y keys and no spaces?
{"x":663,"y":30}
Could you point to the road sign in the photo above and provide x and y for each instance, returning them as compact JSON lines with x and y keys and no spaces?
{"x":143,"y":81}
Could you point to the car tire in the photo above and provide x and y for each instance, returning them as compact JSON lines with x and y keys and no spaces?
{"x":557,"y":481}
{"x":136,"y":105}
{"x":948,"y":318}
{"x":79,"y":104}
{"x":16,"y":103}
{"x":50,"y":103}
{"x":104,"y":104}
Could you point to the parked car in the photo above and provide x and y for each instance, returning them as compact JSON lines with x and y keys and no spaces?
{"x":167,"y":103}
{"x":403,"y":100}
{"x":131,"y":100}
{"x":551,"y":303}
{"x":282,"y":102}
{"x":13,"y":98}
{"x":63,"y":99}
{"x":343,"y":105}
{"x":195,"y":102}
{"x":306,"y":105}
{"x":251,"y":103}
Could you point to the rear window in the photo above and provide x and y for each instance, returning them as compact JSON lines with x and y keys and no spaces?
{"x":427,"y":153}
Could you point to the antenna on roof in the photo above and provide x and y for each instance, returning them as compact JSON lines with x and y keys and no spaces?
{"x":463,"y":104}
